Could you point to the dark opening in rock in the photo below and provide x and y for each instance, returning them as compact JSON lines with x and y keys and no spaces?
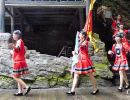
{"x":49,"y":29}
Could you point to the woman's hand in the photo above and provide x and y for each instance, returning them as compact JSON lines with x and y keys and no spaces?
{"x":11,"y":53}
{"x":110,"y":52}
{"x":73,"y":52}
{"x":11,"y":45}
{"x":84,"y":43}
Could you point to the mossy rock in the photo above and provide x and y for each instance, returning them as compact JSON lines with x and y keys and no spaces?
{"x":65,"y":81}
{"x":40,"y":82}
{"x":53,"y":82}
{"x":7,"y":82}
{"x":39,"y":78}
{"x":103,"y":71}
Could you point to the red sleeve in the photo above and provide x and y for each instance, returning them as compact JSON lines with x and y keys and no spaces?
{"x":115,"y":32}
{"x":126,"y":47}
{"x":114,"y":24}
{"x":127,"y":31}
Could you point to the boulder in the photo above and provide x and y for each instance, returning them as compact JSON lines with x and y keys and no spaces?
{"x":46,"y":71}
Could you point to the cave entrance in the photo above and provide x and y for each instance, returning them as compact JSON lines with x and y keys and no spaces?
{"x":49,"y":29}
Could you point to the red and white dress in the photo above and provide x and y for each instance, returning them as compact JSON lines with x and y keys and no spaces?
{"x":121,"y":62}
{"x":20,"y":66}
{"x":84,"y":65}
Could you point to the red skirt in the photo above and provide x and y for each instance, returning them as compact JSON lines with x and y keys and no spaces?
{"x":20,"y":68}
{"x":120,"y":64}
{"x":84,"y":66}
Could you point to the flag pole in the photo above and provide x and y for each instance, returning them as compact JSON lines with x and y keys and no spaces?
{"x":87,"y":7}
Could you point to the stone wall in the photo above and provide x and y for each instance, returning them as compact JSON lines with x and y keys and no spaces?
{"x":48,"y":71}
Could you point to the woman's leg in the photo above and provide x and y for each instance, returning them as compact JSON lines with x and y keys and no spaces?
{"x":28,"y":88}
{"x":121,"y":79}
{"x":20,"y":89}
{"x":93,"y":80}
{"x":75,"y":81}
{"x":21,"y":82}
{"x":125,"y":78}
{"x":22,"y":85}
{"x":18,"y":84}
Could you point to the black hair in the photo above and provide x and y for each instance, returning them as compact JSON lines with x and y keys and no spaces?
{"x":83,"y":33}
{"x":18,"y":32}
{"x":11,"y":40}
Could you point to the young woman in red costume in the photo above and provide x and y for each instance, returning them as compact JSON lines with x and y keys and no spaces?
{"x":124,"y":33}
{"x":20,"y":67}
{"x":121,"y":64}
{"x":84,"y":65}
{"x":116,"y":23}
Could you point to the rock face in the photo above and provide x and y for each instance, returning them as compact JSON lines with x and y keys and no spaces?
{"x":46,"y":71}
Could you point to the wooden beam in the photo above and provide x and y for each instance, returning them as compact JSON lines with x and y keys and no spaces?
{"x":12,"y":20}
{"x":50,"y":19}
{"x":29,"y":26}
{"x":49,"y":23}
{"x":8,"y":11}
{"x":42,"y":24}
{"x":47,"y":16}
{"x":46,"y":10}
{"x":52,"y":12}
{"x":22,"y":16}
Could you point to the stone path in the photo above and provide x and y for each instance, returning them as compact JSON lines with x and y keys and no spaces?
{"x":106,"y":93}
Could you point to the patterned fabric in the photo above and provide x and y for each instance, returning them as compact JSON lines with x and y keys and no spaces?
{"x":84,"y":65}
{"x":20,"y":66}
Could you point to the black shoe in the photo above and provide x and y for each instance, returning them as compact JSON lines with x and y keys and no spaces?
{"x":18,"y":94}
{"x":28,"y":90}
{"x":95,"y":92}
{"x":120,"y":89}
{"x":70,"y":93}
{"x":127,"y":87}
